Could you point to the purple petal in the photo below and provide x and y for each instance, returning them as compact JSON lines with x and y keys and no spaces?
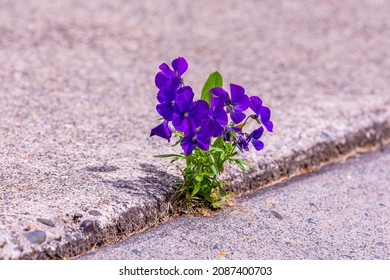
{"x":226,"y":137}
{"x":236,"y":130}
{"x":184,"y":97}
{"x":203,"y":142}
{"x":220,"y":116}
{"x":199,"y":111}
{"x":231,"y":129}
{"x":183,"y":124}
{"x":162,"y":95}
{"x":175,"y":84}
{"x":269,"y":126}
{"x":255,"y":104}
{"x":180,"y":65}
{"x":239,"y":98}
{"x":242,"y":106}
{"x":190,"y":125}
{"x":177,"y":120}
{"x":163,"y":130}
{"x":217,"y":103}
{"x":166,"y":94}
{"x":242,"y":143}
{"x":258,"y":144}
{"x":265,"y":114}
{"x":161,"y":80}
{"x":256,"y":134}
{"x":165,"y":110}
{"x":207,"y":128}
{"x":167,"y":71}
{"x":237,"y":116}
{"x":188,"y":144}
{"x":218,"y":131}
{"x":204,"y":135}
{"x":220,"y":92}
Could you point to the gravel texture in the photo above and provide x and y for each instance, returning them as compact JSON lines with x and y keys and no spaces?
{"x":77,"y":102}
{"x":338,"y":212}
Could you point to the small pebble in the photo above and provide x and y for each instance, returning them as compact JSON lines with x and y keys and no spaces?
{"x":95,"y":213}
{"x":88,"y":225}
{"x":103,"y":168}
{"x":276,"y":214}
{"x":77,"y":216}
{"x":135,"y":251}
{"x":46,"y":222}
{"x":325,"y":134}
{"x":36,"y":236}
{"x":19,"y":248}
{"x":77,"y":237}
{"x":3,"y":243}
{"x":347,"y":256}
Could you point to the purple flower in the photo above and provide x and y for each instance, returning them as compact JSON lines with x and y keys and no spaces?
{"x":243,"y":142}
{"x":255,"y":135}
{"x":169,"y":81}
{"x":201,"y":138}
{"x":229,"y":130}
{"x":166,"y":75}
{"x":219,"y":93}
{"x":238,"y":102}
{"x":188,"y":115}
{"x":218,"y":116}
{"x":166,"y":96}
{"x":262,"y":112}
{"x":163,"y":130}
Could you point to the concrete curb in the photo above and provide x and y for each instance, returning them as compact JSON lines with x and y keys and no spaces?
{"x":145,"y":215}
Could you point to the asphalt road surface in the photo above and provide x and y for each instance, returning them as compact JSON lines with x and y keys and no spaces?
{"x":338,"y":212}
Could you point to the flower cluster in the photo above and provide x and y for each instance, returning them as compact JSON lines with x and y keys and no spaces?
{"x":197,"y":122}
{"x":217,"y":114}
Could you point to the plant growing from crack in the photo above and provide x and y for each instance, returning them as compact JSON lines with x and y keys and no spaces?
{"x":208,"y":138}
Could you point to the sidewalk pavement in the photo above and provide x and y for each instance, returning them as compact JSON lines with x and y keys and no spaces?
{"x":77,"y":100}
{"x":340,"y":212}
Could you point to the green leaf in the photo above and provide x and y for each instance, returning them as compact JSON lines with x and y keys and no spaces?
{"x":214,"y":80}
{"x":218,"y":142}
{"x":196,"y":189}
{"x":208,"y":197}
{"x":222,"y":192}
{"x":176,"y":159}
{"x":199,"y":178}
{"x":214,"y":169}
{"x":212,"y":158}
{"x":176,"y":143}
{"x":242,"y":164}
{"x":215,"y":149}
{"x":234,"y":154}
{"x":169,"y":155}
